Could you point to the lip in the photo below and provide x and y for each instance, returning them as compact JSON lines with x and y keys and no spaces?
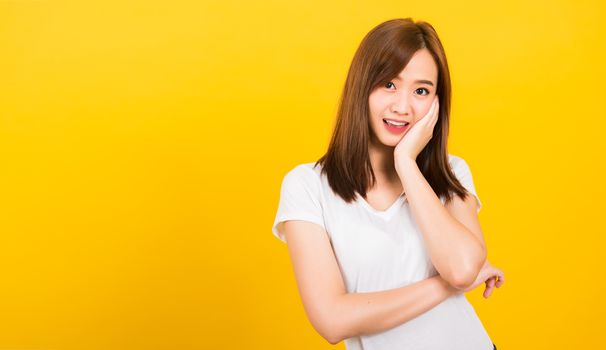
{"x":395,"y":129}
{"x":395,"y":120}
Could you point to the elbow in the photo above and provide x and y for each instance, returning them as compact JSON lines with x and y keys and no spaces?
{"x":335,"y":337}
{"x":463,"y":282}
{"x":466,"y":277}
{"x":328,"y":325}
{"x":334,"y":329}
{"x":329,"y":331}
{"x":462,"y":279}
{"x":333,"y":341}
{"x":339,"y":321}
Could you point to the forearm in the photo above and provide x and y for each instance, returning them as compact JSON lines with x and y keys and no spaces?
{"x":365,"y":313}
{"x":454,"y":251}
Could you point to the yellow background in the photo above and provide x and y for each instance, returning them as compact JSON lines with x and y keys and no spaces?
{"x":143,"y":145}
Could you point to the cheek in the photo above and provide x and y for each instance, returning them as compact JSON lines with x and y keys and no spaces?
{"x":373,"y":110}
{"x":376,"y":105}
{"x":421,"y":109}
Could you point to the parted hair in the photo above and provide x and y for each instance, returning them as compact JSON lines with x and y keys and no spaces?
{"x":382,"y":54}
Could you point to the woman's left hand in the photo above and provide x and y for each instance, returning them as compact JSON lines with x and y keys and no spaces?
{"x":417,"y":137}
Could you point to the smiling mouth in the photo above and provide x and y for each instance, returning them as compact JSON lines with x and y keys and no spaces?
{"x":395,"y":123}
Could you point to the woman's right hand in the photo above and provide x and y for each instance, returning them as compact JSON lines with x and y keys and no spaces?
{"x":488,"y":274}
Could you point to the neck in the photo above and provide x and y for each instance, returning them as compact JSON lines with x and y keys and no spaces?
{"x":382,"y":161}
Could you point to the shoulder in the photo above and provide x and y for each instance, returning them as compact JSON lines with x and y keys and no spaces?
{"x":454,"y":159}
{"x":304,"y":175}
{"x":457,"y":163}
{"x":305,"y":172}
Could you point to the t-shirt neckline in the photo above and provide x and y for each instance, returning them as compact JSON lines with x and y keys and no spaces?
{"x":387,"y":213}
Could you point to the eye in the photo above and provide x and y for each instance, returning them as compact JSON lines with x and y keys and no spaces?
{"x":423,"y":89}
{"x":386,"y":85}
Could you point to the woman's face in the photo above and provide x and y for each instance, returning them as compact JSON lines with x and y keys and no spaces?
{"x":406,"y":98}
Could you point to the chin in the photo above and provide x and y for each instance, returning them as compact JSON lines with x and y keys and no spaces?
{"x":385,"y":138}
{"x":390,"y":140}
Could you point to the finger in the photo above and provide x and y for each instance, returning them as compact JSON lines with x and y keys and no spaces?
{"x":501,"y":279}
{"x":430,"y":117}
{"x":492,"y":280}
{"x":491,"y":283}
{"x":488,"y":291}
{"x":500,"y":274}
{"x":436,"y":113}
{"x":432,"y":108}
{"x":437,"y":107}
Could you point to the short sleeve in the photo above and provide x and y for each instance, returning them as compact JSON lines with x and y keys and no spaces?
{"x":463,"y":174}
{"x":299,"y":199}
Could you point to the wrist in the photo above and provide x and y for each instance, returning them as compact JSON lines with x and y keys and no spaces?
{"x":403,"y":164}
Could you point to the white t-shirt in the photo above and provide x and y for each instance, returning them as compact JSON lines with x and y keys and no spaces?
{"x":380,"y":250}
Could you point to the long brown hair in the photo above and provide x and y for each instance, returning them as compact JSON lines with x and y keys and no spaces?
{"x":382,"y":54}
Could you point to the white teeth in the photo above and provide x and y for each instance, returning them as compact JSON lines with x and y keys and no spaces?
{"x":395,"y":123}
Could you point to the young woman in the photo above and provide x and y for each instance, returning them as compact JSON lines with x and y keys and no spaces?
{"x":383,"y":230}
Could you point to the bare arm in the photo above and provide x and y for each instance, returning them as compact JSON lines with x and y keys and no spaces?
{"x":365,"y":313}
{"x":456,"y":252}
{"x":336,"y":314}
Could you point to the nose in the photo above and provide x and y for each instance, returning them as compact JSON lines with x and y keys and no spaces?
{"x":400,"y":103}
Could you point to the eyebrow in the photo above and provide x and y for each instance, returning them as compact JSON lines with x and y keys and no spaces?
{"x":422,"y":81}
